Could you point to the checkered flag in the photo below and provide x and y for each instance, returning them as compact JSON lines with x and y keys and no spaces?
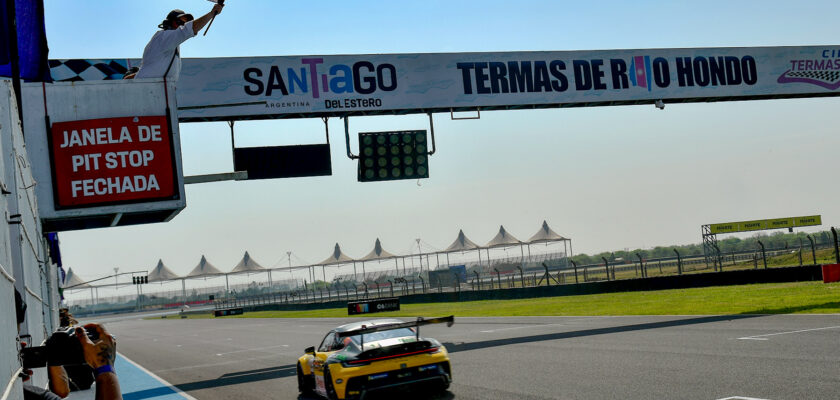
{"x":75,"y":70}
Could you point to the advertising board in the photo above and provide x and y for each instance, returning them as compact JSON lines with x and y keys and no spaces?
{"x":373,"y":306}
{"x":368,"y":84}
{"x":228,"y":311}
{"x":261,"y":87}
{"x":762,"y":224}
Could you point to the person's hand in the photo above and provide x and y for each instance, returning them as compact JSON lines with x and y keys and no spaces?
{"x":217,"y":9}
{"x":103,"y":351}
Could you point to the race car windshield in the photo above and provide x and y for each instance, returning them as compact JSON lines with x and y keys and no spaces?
{"x":382,"y":335}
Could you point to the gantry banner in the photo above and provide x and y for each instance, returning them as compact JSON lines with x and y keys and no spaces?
{"x":764,"y":224}
{"x":310,"y":86}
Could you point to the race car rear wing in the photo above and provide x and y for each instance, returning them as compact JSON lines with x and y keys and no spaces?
{"x":389,"y":327}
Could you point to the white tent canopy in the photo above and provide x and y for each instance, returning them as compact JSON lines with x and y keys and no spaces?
{"x":461,"y":243}
{"x":378,"y":253}
{"x":162,"y":273}
{"x":204,"y":268}
{"x":246,"y":264}
{"x":503,"y":239}
{"x":545,"y":234}
{"x":337,"y":257}
{"x":71,"y":279}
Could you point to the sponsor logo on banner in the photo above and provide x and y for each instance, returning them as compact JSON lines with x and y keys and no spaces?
{"x":641,"y":71}
{"x":810,"y":220}
{"x":780,"y":223}
{"x":822,"y":71}
{"x":360,"y":80}
{"x":111,"y":161}
{"x":536,"y":76}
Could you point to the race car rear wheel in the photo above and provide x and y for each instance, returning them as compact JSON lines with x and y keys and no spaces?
{"x":328,"y":384}
{"x":306,"y":384}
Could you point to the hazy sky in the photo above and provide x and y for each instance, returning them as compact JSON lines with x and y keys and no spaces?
{"x":608,"y":177}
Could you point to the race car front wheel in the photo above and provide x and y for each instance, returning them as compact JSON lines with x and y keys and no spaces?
{"x":306,"y":384}
{"x":328,"y":385}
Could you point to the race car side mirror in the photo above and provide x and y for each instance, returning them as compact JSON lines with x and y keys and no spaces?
{"x":310,"y":350}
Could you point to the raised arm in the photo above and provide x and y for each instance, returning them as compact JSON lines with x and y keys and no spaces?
{"x":204,"y":19}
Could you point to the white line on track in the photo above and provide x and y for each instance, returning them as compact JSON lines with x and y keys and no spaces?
{"x":565,"y":323}
{"x":254,"y":349}
{"x":740,"y":398}
{"x":762,"y":337}
{"x":244,"y":360}
{"x":519,"y":327}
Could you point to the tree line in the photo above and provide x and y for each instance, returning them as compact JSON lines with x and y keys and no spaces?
{"x":777,"y":240}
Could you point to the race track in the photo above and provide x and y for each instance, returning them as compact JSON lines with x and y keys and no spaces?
{"x":640,"y":357}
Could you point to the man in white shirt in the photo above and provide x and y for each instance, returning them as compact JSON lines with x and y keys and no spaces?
{"x":161,"y":54}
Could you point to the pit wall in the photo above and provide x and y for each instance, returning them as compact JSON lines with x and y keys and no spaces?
{"x":24,"y":258}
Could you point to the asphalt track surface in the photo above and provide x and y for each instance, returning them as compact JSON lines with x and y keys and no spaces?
{"x":638,"y":357}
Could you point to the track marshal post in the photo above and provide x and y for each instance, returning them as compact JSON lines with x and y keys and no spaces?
{"x":607,"y":268}
{"x":764,"y":254}
{"x":679,"y":262}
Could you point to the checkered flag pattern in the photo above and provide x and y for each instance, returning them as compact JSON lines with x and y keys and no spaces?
{"x":824,"y":76}
{"x":87,"y":70}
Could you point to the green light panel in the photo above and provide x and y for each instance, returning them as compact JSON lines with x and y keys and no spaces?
{"x":389,"y":156}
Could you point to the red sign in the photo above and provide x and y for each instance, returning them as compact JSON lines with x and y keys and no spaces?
{"x":112,"y":160}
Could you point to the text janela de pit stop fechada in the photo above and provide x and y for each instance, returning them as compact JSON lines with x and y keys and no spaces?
{"x":112,"y":160}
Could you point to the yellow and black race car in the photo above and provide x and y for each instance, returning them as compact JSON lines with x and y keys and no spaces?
{"x":357,"y":359}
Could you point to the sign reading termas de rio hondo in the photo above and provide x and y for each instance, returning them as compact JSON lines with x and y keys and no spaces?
{"x":112,"y":160}
{"x":306,"y":86}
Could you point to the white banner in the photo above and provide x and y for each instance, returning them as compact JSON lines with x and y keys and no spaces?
{"x":309,"y":86}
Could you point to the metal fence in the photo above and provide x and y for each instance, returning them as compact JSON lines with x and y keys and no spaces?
{"x":502,"y":273}
{"x":507,"y":274}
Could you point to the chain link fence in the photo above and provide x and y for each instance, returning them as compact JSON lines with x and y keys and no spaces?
{"x":503,"y":273}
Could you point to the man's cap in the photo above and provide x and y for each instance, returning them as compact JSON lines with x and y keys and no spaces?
{"x":175,"y":14}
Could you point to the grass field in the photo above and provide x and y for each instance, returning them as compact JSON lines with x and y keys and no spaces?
{"x":773,"y":298}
